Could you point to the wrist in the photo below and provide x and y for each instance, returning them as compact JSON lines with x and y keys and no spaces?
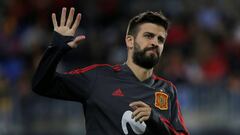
{"x":61,"y":41}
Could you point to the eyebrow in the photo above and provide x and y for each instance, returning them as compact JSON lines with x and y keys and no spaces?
{"x":152,"y":34}
{"x":149,"y":33}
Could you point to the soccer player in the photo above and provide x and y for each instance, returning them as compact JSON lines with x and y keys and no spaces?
{"x":124,"y":99}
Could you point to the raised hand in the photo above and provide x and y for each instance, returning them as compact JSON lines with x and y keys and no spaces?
{"x":67,"y":27}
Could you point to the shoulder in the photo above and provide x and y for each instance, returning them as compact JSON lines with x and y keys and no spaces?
{"x":169,"y":83}
{"x":167,"y":86}
{"x":94,"y":67}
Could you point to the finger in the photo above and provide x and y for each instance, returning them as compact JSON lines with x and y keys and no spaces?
{"x":137,"y":111}
{"x":144,"y":118}
{"x":54,"y":20}
{"x":140,"y":115}
{"x":134,"y":107}
{"x":76,"y":41}
{"x":138,"y":104}
{"x":63,"y":17}
{"x":70,"y":17}
{"x":76,"y":22}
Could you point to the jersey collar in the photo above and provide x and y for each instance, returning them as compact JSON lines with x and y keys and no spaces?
{"x":127,"y":70}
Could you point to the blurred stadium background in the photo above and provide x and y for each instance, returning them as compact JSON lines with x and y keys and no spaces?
{"x":201,"y":56}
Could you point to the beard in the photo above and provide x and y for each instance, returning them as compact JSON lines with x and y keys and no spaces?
{"x":144,"y":60}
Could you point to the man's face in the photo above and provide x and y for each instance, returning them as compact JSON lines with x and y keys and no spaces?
{"x":148,"y":45}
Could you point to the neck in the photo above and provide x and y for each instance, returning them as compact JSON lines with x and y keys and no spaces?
{"x":141,"y":73}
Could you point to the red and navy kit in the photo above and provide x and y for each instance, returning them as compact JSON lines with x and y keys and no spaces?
{"x":106,"y":91}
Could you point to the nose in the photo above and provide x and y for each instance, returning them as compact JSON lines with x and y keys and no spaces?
{"x":153,"y":45}
{"x":154,"y":42}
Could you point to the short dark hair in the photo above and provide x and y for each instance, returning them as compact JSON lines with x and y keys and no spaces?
{"x":147,"y":17}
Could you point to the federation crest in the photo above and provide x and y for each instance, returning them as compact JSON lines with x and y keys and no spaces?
{"x":161,"y":100}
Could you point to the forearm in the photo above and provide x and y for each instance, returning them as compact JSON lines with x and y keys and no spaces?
{"x":155,"y":125}
{"x":45,"y":75}
{"x":160,"y":125}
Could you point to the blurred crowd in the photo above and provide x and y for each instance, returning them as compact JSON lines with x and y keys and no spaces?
{"x":201,"y":57}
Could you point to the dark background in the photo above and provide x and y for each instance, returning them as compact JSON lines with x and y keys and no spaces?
{"x":201,"y":56}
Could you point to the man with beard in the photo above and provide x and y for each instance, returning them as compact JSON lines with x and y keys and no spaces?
{"x":122,"y":99}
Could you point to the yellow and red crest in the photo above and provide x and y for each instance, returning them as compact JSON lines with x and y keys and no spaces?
{"x":161,"y":100}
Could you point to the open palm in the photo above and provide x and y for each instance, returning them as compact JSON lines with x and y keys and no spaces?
{"x":67,"y":27}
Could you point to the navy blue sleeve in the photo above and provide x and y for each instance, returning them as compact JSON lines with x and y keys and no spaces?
{"x":177,"y":120}
{"x":155,"y":125}
{"x":47,"y":82}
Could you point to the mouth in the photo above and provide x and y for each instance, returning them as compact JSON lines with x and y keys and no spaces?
{"x":154,"y":51}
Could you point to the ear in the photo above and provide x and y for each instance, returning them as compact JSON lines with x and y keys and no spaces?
{"x":129,"y":39}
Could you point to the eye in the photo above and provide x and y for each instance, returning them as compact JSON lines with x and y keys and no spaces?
{"x":161,"y":40}
{"x":148,"y":36}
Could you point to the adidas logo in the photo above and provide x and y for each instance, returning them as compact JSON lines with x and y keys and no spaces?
{"x":118,"y":93}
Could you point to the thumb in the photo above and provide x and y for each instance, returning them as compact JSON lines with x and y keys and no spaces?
{"x":76,"y":41}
